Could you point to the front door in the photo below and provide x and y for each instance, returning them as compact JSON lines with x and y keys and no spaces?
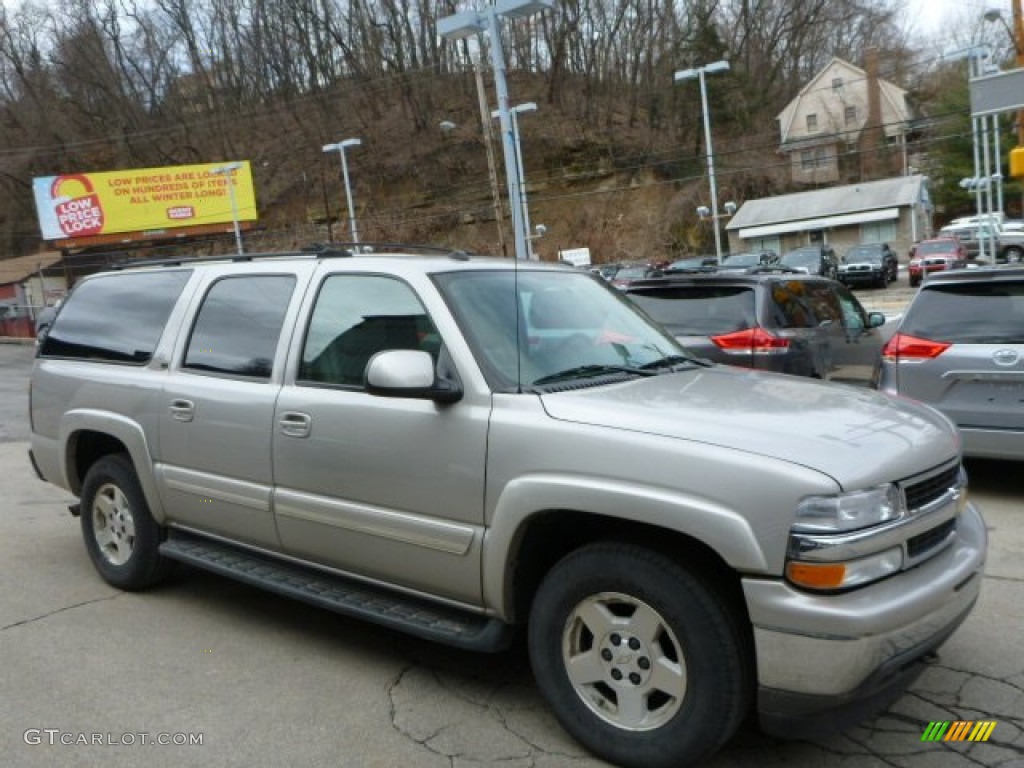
{"x":388,"y":488}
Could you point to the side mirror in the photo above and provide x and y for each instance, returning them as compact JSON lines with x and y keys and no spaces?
{"x":876,"y":319}
{"x":408,"y":373}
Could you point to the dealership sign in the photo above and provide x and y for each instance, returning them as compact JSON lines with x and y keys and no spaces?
{"x":79,"y":205}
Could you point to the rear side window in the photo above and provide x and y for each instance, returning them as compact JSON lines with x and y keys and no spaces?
{"x":970,"y":313}
{"x":239,"y":324}
{"x":115,"y":318}
{"x":699,"y":310}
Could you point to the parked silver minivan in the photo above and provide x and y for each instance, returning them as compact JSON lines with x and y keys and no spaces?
{"x":960,"y":348}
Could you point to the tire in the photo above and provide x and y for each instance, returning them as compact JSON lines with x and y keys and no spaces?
{"x":685,"y":682}
{"x":1013,"y":253}
{"x":914,"y":282}
{"x":120,"y":535}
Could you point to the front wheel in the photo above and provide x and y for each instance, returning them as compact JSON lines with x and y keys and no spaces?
{"x":121,"y":537}
{"x":1014,"y":253}
{"x":641,"y":662}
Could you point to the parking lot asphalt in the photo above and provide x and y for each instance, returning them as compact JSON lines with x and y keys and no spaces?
{"x":264,"y":681}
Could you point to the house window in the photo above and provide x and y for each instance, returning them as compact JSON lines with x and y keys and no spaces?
{"x":756,"y":244}
{"x":850,"y":115}
{"x":812,"y":122}
{"x":837,"y":83}
{"x":878,"y":231}
{"x":821,"y":157}
{"x":807,"y":160}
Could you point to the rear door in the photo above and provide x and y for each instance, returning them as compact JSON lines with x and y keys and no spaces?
{"x":978,"y":380}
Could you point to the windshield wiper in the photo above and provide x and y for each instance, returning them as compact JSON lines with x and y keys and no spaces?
{"x":588,"y":371}
{"x":676,"y":363}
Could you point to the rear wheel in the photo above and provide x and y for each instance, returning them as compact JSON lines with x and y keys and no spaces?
{"x":120,"y":535}
{"x":640,"y":661}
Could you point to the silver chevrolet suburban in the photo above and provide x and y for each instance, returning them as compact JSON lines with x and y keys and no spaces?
{"x":455,"y":446}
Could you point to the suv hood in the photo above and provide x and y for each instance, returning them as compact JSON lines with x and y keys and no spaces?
{"x":847,"y":433}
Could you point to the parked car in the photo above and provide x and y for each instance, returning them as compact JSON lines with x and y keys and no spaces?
{"x":960,"y":348}
{"x":774,"y":321}
{"x":631,"y":272}
{"x":607,"y":271}
{"x":936,"y":255}
{"x":981,"y":240}
{"x":746,"y":259}
{"x":814,"y":260}
{"x":469,"y":449}
{"x":870,"y":263}
{"x":691,"y":263}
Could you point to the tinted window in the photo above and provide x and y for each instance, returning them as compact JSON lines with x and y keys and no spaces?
{"x":802,"y":258}
{"x":699,"y":310}
{"x":239,"y":324}
{"x":357,"y":316}
{"x":118,"y":318}
{"x":802,"y":304}
{"x":979,"y":313}
{"x":864,"y":254}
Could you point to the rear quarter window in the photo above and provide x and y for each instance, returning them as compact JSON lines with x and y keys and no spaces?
{"x":115,"y":318}
{"x":968,"y":313}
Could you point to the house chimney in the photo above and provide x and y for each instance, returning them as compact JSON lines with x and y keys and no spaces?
{"x":873,"y":149}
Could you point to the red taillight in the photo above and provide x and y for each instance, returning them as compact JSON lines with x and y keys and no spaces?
{"x":752,"y":340}
{"x":904,"y":347}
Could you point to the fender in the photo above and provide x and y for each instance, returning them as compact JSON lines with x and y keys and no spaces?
{"x":129,"y":432}
{"x":716,"y":526}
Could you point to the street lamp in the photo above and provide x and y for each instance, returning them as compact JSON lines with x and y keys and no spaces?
{"x":529,"y":106}
{"x":340,"y":148}
{"x":228,"y":172}
{"x":469,"y":23}
{"x":699,"y":73}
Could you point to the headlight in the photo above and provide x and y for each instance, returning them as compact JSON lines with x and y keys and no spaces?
{"x":848,"y":511}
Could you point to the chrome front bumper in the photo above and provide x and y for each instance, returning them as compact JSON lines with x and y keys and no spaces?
{"x":833,"y":655}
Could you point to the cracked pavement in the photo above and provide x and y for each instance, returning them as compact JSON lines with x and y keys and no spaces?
{"x":269,"y":682}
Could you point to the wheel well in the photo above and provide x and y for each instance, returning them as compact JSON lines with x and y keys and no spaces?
{"x":86,"y":448}
{"x":551,"y":535}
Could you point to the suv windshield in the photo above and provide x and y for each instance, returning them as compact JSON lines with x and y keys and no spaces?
{"x":936,"y":246}
{"x":969,"y":313}
{"x":864,"y":253}
{"x":802,"y":258}
{"x":527,"y":326}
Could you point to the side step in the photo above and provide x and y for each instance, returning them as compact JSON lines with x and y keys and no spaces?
{"x":405,"y":613}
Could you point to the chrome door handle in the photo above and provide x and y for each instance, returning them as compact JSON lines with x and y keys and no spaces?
{"x":295,"y":424}
{"x":182,"y":410}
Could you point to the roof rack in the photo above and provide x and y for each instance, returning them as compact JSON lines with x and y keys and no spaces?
{"x":314,"y":250}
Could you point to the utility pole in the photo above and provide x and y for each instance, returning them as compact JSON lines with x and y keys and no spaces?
{"x":485,"y":115}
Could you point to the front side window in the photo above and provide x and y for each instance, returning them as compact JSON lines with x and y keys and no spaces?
{"x":238,"y":326}
{"x":115,"y":318}
{"x":525,"y":325}
{"x":854,"y":316}
{"x":357,"y":316}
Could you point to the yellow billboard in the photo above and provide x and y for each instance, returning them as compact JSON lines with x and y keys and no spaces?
{"x":139,"y":199}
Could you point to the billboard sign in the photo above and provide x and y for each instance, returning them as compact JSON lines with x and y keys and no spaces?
{"x":79,"y":205}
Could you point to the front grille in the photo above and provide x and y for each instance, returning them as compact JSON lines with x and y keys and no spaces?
{"x":922,"y":493}
{"x":920,"y":544}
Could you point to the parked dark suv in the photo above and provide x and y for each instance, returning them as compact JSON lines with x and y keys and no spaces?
{"x":813,"y":259}
{"x":773,"y":320}
{"x":869,"y":264}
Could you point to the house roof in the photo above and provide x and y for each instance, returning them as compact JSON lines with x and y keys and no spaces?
{"x":827,"y":203}
{"x":17,"y":269}
{"x":891,"y":94}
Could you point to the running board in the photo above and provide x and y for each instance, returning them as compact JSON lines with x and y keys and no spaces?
{"x":405,"y":613}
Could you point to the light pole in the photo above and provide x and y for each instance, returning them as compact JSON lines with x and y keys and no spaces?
{"x":699,"y":73}
{"x":340,"y":148}
{"x":1017,"y":39}
{"x":470,"y":23}
{"x":228,"y":172}
{"x":514,"y":112}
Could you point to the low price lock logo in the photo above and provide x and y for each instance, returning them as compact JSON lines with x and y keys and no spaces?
{"x":77,"y":205}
